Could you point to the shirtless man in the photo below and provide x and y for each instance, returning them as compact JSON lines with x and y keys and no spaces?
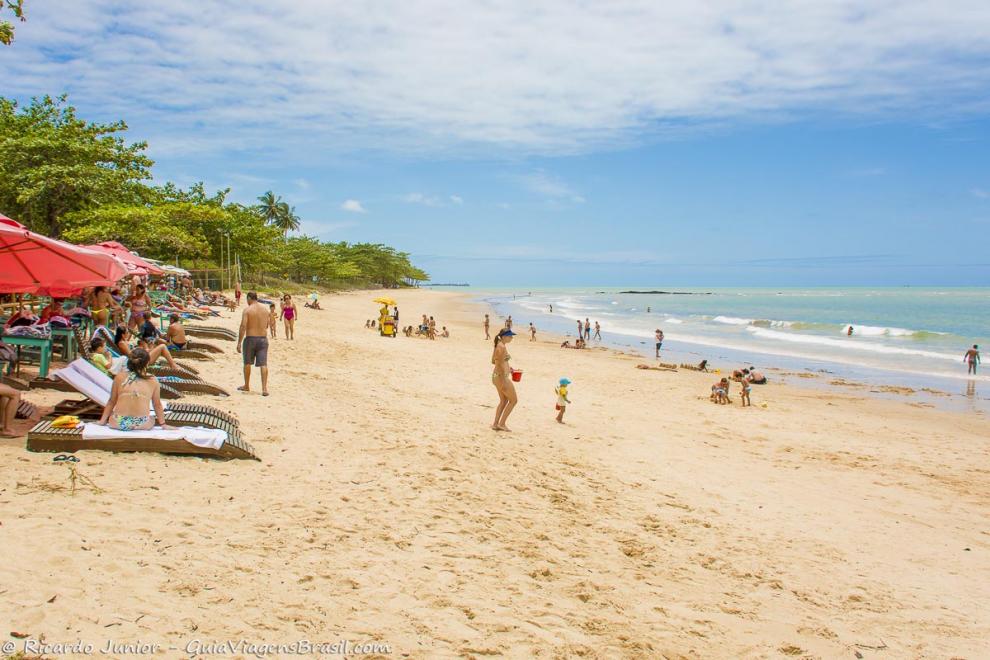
{"x":254,"y":334}
{"x":176,"y":334}
{"x":487,"y":322}
{"x":972,"y":358}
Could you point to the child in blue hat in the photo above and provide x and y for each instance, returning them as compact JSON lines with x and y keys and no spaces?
{"x":562,"y":399}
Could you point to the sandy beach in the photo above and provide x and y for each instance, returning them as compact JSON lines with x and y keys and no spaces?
{"x":652,"y":524}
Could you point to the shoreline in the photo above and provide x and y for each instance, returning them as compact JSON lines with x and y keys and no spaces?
{"x":934,"y":389}
{"x":385,"y":510}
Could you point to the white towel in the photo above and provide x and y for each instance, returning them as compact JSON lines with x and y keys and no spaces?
{"x":196,"y":435}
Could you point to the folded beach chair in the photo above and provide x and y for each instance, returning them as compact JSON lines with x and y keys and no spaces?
{"x":200,"y":346}
{"x":95,"y":385}
{"x":187,"y":440}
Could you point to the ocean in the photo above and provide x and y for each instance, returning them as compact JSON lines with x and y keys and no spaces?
{"x":908,"y":336}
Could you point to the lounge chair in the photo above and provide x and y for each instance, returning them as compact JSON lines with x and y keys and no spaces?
{"x":26,"y":410}
{"x":211,"y":332}
{"x":86,"y":379}
{"x":180,"y":370}
{"x":45,"y":437}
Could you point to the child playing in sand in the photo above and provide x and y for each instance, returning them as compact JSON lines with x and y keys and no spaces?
{"x":273,"y":321}
{"x":720,"y":391}
{"x":562,"y":399}
{"x":744,"y":392}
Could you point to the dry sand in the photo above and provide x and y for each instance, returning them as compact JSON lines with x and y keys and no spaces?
{"x":652,"y":524}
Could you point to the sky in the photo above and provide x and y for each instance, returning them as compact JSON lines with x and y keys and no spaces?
{"x":565,"y":142}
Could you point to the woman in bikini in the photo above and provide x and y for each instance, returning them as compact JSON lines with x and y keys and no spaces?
{"x":140,"y":305}
{"x":100,"y":303}
{"x":133,"y":395}
{"x":289,"y":316}
{"x":121,"y":340}
{"x":502,"y":380}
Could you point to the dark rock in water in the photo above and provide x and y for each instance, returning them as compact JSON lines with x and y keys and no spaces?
{"x":672,"y":293}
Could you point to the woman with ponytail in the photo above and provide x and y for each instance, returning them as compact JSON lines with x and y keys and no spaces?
{"x":133,"y":395}
{"x":502,"y":379}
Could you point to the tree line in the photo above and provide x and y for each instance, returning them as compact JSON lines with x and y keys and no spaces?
{"x":83,"y":182}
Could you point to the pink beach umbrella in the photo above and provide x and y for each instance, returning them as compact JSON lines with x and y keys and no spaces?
{"x":135,"y":264}
{"x":32,"y":263}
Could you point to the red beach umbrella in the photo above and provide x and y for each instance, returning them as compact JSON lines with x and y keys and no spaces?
{"x":135,"y":264}
{"x":32,"y":263}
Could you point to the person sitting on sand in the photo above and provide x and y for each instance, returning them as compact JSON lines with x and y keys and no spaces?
{"x":756,"y":378}
{"x":445,"y":334}
{"x":972,"y":359}
{"x":703,"y":365}
{"x":566,"y":344}
{"x":9,"y":400}
{"x":580,"y":343}
{"x":122,"y":339}
{"x":176,"y":334}
{"x":132,"y":396}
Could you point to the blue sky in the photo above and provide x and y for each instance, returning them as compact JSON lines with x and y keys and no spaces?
{"x":619,"y":144}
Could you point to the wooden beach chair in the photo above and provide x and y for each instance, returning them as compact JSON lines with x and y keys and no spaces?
{"x":96,"y":385}
{"x":211,"y":332}
{"x":181,"y":370}
{"x":45,"y":437}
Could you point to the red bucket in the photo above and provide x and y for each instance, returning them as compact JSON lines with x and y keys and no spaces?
{"x":516,"y":375}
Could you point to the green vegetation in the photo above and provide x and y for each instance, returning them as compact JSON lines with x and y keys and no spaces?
{"x":81,"y":181}
{"x":6,"y":28}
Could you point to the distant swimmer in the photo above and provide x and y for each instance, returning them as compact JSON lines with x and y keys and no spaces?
{"x":647,"y":310}
{"x":849,"y":331}
{"x":551,"y":309}
{"x":972,"y":358}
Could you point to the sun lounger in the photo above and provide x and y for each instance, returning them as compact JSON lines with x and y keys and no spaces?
{"x":96,"y":386}
{"x":180,"y":370}
{"x":211,"y":331}
{"x":201,"y":346}
{"x":39,"y":383}
{"x":198,"y":442}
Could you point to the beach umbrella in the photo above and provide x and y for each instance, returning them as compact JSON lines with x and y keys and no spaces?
{"x":384,"y":300}
{"x":33,"y":263}
{"x":135,"y":264}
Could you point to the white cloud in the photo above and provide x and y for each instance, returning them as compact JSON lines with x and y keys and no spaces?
{"x":420,"y":198}
{"x":303,"y":184}
{"x":979,"y":192}
{"x":435,"y":76}
{"x":550,"y":186}
{"x":353,"y":206}
{"x":457,"y":199}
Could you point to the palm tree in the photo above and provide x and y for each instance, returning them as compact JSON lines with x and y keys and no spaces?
{"x":270,"y":207}
{"x":287,"y":219}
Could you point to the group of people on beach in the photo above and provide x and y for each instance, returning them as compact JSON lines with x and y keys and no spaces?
{"x":746,"y":379}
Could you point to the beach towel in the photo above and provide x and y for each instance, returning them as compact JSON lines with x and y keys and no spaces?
{"x":195,"y":435}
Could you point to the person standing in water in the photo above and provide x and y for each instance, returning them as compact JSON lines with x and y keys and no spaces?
{"x":972,"y":358}
{"x":502,"y":380}
{"x":254,"y":335}
{"x":587,"y":329}
{"x":580,"y":329}
{"x":659,"y":336}
{"x":487,"y":322}
{"x":551,"y":309}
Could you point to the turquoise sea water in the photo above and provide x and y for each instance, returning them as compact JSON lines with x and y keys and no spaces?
{"x":911,"y":336}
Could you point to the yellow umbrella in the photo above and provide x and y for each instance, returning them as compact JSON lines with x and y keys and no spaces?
{"x":383,"y":300}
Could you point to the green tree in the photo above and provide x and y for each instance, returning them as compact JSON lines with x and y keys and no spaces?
{"x":6,"y":28}
{"x":270,"y":207}
{"x":53,"y":163}
{"x":287,"y":219}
